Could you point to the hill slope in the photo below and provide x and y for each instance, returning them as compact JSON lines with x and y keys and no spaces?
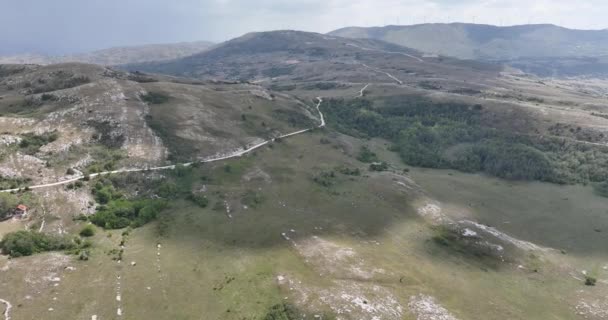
{"x":473,"y":41}
{"x":117,"y":55}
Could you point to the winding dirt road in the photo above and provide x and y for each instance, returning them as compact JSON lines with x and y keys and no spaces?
{"x":234,"y":154}
{"x":7,"y":311}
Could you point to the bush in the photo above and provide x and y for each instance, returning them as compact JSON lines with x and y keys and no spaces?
{"x":87,"y":231}
{"x":200,"y":199}
{"x":378,"y":166}
{"x":366,"y":155}
{"x":282,"y":311}
{"x":349,"y":171}
{"x":325,"y":178}
{"x":26,"y":243}
{"x":590,"y":281}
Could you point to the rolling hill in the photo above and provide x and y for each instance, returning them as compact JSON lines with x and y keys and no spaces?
{"x":287,"y":57}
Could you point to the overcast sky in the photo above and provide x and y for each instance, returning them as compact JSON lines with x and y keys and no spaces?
{"x":68,"y":26}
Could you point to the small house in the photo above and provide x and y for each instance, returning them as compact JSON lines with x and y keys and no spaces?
{"x":20,"y":211}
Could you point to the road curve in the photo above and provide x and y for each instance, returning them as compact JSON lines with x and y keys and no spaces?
{"x":235,"y":154}
{"x":7,"y":310}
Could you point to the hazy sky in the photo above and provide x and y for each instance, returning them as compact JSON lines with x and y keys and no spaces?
{"x":64,"y":26}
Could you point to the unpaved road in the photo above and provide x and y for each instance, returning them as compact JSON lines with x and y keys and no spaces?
{"x":383,"y":51}
{"x":383,"y":72}
{"x":7,"y":311}
{"x":362,"y":91}
{"x":235,"y":154}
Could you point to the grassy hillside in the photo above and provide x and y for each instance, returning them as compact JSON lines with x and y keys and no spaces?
{"x":314,"y":249}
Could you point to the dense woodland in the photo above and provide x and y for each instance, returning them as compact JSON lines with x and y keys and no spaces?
{"x":452,"y":135}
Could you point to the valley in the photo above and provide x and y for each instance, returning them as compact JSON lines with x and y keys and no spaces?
{"x":291,"y":175}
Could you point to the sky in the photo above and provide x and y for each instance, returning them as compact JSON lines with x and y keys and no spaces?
{"x":70,"y":26}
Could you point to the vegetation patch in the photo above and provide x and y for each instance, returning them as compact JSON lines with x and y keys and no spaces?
{"x":87,"y":231}
{"x":324,"y":86}
{"x":294,"y":118}
{"x":378,"y":166}
{"x":590,"y":281}
{"x":13,"y":183}
{"x":118,"y":214}
{"x":155,"y":97}
{"x":278,"y":71}
{"x":452,"y":238}
{"x":27,"y":243}
{"x":105,"y":159}
{"x":453,"y":136}
{"x":325,"y":178}
{"x":8,"y":202}
{"x":31,"y":143}
{"x":57,"y":80}
{"x":180,"y":149}
{"x":252,"y":199}
{"x":366,"y":155}
{"x":119,"y":209}
{"x":107,"y":134}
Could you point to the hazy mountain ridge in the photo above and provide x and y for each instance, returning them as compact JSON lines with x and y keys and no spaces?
{"x":280,"y":56}
{"x":117,"y":55}
{"x":475,"y":41}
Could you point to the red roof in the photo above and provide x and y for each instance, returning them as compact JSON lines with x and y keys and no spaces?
{"x":22,"y":207}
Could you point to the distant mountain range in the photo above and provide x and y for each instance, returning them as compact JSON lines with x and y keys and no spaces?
{"x":117,"y":55}
{"x":475,"y":41}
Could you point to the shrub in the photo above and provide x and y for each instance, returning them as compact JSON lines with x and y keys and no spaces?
{"x":200,"y":199}
{"x":325,"y":178}
{"x":590,"y":281}
{"x":378,"y":166}
{"x":366,"y":155}
{"x":349,"y":171}
{"x":87,"y":231}
{"x":282,"y":311}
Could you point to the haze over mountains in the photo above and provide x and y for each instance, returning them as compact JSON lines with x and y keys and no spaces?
{"x":116,"y":55}
{"x":476,"y":41}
